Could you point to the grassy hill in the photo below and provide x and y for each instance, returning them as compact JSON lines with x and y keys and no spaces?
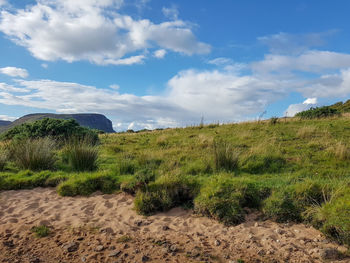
{"x":290,"y":169}
{"x":93,"y":121}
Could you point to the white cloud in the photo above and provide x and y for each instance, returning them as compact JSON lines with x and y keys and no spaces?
{"x":171,"y":12}
{"x":310,"y":61}
{"x":295,"y":108}
{"x":160,"y":53}
{"x":44,"y":65}
{"x":93,"y":30}
{"x":14,"y":72}
{"x":114,"y":87}
{"x":220,"y":61}
{"x":284,"y":43}
{"x":7,"y":118}
{"x":3,"y":2}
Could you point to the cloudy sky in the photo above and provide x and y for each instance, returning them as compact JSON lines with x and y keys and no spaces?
{"x":157,"y":63}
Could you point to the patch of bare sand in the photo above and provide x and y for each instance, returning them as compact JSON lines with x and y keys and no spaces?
{"x":105,"y":228}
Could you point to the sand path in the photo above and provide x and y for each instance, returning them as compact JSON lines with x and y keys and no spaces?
{"x":105,"y":228}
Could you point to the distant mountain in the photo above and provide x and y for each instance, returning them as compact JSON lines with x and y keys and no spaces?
{"x":4,"y":123}
{"x":90,"y":120}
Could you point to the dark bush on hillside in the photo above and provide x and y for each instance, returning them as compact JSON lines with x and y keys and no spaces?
{"x":258,"y":164}
{"x":319,"y":112}
{"x":224,"y":199}
{"x":225,"y":156}
{"x":33,"y":154}
{"x":165,"y":193}
{"x":81,"y":154}
{"x":55,"y":128}
{"x":86,"y":184}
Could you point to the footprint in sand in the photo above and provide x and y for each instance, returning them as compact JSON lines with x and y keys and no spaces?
{"x":108,"y":204}
{"x":13,"y":220}
{"x":32,"y":206}
{"x":10,"y":210}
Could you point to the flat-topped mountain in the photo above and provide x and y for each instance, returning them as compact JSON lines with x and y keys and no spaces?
{"x":4,"y":123}
{"x":90,"y":120}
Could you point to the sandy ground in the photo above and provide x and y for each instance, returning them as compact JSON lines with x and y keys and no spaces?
{"x":105,"y":228}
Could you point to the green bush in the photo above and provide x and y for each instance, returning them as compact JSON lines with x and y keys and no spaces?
{"x":165,"y":193}
{"x":81,"y":155}
{"x":55,"y":128}
{"x":267,"y":163}
{"x":33,"y":154}
{"x":198,"y":167}
{"x":224,"y":198}
{"x":225,"y":156}
{"x":282,"y":207}
{"x":318,"y":112}
{"x":86,"y":184}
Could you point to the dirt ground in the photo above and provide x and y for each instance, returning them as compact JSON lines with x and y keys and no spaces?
{"x":105,"y":228}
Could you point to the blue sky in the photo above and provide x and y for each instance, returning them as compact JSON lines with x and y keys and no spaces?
{"x":156,"y":63}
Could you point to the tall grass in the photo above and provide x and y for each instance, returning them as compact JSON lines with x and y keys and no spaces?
{"x":3,"y":160}
{"x":81,"y":154}
{"x":33,"y":154}
{"x":225,"y":156}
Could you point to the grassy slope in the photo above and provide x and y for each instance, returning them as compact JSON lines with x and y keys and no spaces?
{"x":273,"y":157}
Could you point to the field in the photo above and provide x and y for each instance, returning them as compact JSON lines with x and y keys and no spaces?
{"x":290,"y":170}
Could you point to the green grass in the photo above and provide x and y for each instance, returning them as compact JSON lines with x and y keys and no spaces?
{"x":33,"y":154}
{"x":290,"y":169}
{"x":41,"y":231}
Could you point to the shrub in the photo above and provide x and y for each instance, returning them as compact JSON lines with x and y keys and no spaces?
{"x":318,"y":112}
{"x":224,"y":198}
{"x":86,"y":184}
{"x":55,"y":128}
{"x":225,"y":156}
{"x":282,"y":207}
{"x":41,"y":231}
{"x":266,"y":163}
{"x":165,"y":193}
{"x":81,"y":154}
{"x":33,"y":154}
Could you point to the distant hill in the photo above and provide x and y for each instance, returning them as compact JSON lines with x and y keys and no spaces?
{"x":4,"y":123}
{"x":90,"y":120}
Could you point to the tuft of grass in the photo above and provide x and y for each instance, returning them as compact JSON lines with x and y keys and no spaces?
{"x":81,"y":155}
{"x":225,"y":156}
{"x":281,"y":207}
{"x":3,"y":161}
{"x":33,"y":154}
{"x":334,"y":217}
{"x":224,"y":198}
{"x":126,"y":166}
{"x":88,"y":183}
{"x":306,"y":132}
{"x":41,"y":231}
{"x":342,"y":151}
{"x":165,"y":193}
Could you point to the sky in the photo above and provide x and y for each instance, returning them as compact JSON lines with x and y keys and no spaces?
{"x":157,"y":63}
